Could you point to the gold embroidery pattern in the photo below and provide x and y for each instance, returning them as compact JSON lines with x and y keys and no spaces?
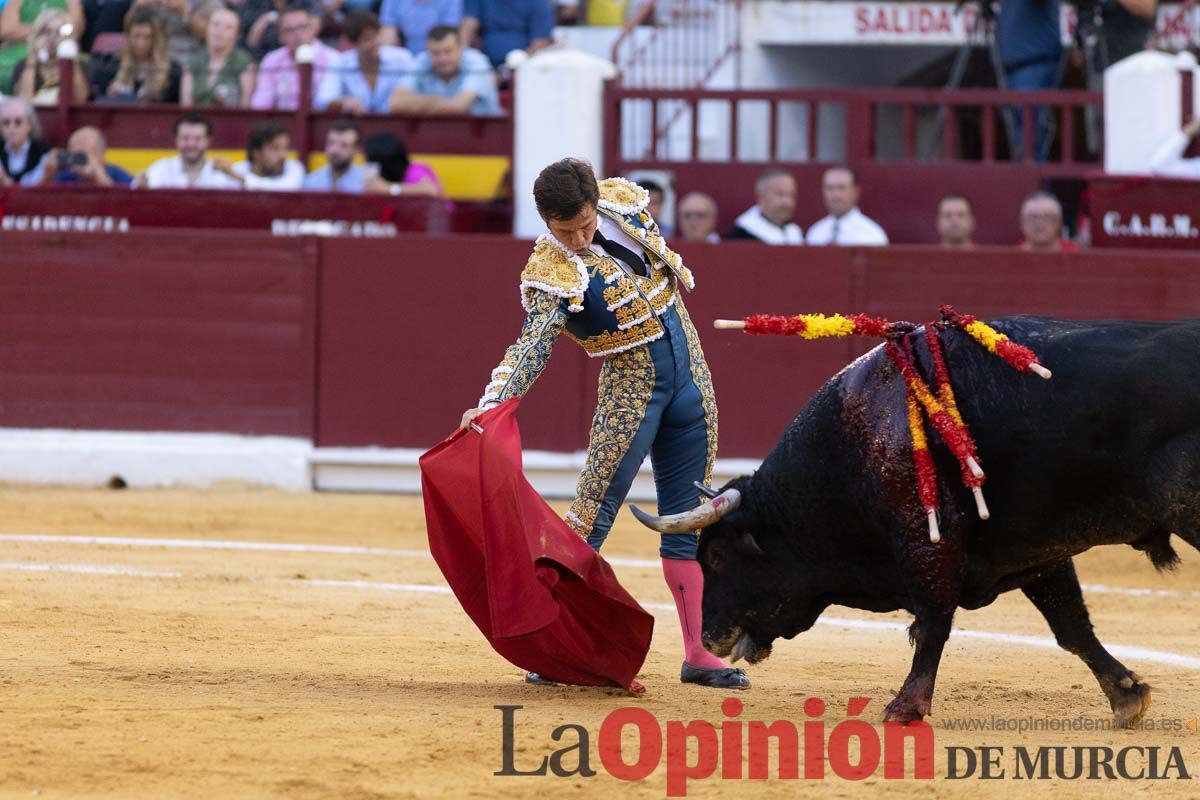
{"x":551,"y":270}
{"x":626,"y":386}
{"x":525,"y":359}
{"x":629,"y":315}
{"x":703,"y":380}
{"x":620,"y":192}
{"x":653,"y":239}
{"x":607,"y":343}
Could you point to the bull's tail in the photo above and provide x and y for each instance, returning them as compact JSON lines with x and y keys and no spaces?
{"x":1157,"y":547}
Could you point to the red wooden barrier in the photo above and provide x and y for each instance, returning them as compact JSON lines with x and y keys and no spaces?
{"x":1144,"y":212}
{"x":370,"y":342}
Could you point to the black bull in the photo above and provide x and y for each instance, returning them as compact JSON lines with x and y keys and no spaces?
{"x":1107,"y":452}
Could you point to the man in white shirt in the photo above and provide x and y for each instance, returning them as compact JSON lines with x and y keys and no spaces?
{"x":267,"y":167}
{"x":769,"y":220}
{"x":845,"y":225}
{"x":1168,"y":160}
{"x":192,"y":168}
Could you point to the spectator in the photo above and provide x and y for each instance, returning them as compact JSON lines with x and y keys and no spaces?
{"x":1029,"y":40}
{"x":504,"y":27}
{"x":956,"y":222}
{"x":23,"y":149}
{"x":103,"y":16}
{"x":769,"y":220}
{"x":278,"y":77}
{"x":698,"y":218}
{"x":267,"y":166}
{"x":845,"y":224}
{"x":1041,"y":225}
{"x":364,"y":78}
{"x":1168,"y":160}
{"x":16,"y":22}
{"x":192,"y":168}
{"x":222,"y":74}
{"x":260,"y":25}
{"x":145,"y":73}
{"x":655,"y":205}
{"x":449,"y":79}
{"x":401,"y":175}
{"x":341,"y":174}
{"x":182,"y":44}
{"x":83,"y":162}
{"x":408,"y":22}
{"x":36,"y":78}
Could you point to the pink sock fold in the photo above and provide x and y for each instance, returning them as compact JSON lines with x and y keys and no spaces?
{"x":687,"y":587}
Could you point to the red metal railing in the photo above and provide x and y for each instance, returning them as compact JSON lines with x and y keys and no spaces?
{"x":830,"y":125}
{"x":678,"y":44}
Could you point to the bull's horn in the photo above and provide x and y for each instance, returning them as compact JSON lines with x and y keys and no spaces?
{"x":692,"y":520}
{"x":707,"y":491}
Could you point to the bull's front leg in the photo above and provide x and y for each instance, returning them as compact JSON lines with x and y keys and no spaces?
{"x":929,"y":633}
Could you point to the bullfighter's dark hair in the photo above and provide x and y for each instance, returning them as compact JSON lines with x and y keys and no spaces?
{"x":565,"y":188}
{"x":261,"y":135}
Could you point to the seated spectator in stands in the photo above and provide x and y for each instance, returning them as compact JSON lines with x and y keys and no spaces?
{"x":387,"y":152}
{"x":845,"y":225}
{"x":655,"y":205}
{"x":36,"y":78}
{"x":769,"y":220}
{"x":192,"y":168}
{"x":342,"y":142}
{"x":103,"y":16}
{"x":267,"y":166}
{"x":278,"y":77}
{"x":145,"y":72}
{"x":260,"y":25}
{"x":222,"y":74}
{"x":16,"y":22}
{"x":82,"y":162}
{"x":362,"y":79}
{"x":1168,"y":160}
{"x":22,"y":148}
{"x":449,"y":79}
{"x":955,"y":222}
{"x":182,"y":44}
{"x":697,"y":216}
{"x":1042,"y":224}
{"x":408,"y":22}
{"x":503,"y":27}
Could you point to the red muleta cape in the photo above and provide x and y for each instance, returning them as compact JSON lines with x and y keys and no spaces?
{"x":545,"y":600}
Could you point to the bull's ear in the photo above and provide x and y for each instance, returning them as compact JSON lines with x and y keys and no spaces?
{"x":747,"y":545}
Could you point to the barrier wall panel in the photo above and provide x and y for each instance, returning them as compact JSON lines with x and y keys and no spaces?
{"x":410,"y":333}
{"x":160,"y":331}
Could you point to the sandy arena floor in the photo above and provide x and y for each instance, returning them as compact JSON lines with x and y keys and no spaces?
{"x":212,"y":672}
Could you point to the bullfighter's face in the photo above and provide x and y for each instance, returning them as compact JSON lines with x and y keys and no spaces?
{"x":747,"y":597}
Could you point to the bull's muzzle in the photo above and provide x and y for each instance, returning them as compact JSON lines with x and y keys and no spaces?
{"x":695,"y":519}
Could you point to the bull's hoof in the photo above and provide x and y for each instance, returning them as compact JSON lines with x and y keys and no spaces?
{"x":905,"y":710}
{"x":1130,"y":702}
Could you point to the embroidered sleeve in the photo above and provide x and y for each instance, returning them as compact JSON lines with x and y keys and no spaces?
{"x":524,"y":361}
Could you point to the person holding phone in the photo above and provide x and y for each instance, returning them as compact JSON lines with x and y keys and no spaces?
{"x":81,"y":162}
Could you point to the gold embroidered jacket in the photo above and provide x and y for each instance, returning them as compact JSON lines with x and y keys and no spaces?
{"x":602,"y":307}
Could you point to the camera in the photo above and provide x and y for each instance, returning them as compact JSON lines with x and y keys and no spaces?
{"x":68,"y":159}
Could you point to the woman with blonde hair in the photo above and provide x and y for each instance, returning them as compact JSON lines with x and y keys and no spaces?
{"x":36,"y":78}
{"x":145,"y":73}
{"x":222,"y":74}
{"x":17,"y":19}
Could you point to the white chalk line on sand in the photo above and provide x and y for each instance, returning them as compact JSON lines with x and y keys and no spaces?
{"x":1120,"y":651}
{"x":284,"y":547}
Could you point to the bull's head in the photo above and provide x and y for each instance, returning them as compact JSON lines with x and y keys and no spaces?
{"x":747,"y":596}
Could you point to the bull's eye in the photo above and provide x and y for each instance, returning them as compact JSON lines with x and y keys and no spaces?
{"x":714,"y":557}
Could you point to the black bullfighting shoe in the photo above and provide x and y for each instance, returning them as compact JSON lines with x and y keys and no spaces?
{"x":725,"y":678}
{"x":537,"y":680}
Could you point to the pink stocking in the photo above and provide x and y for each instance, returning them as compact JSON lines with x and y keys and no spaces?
{"x":687,"y":587}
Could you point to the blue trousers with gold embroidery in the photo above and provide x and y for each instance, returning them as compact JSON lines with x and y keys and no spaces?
{"x":650,"y":403}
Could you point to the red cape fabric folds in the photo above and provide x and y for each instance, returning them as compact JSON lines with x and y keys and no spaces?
{"x":545,"y":600}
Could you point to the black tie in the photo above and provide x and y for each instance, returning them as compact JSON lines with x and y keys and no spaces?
{"x":621,"y":253}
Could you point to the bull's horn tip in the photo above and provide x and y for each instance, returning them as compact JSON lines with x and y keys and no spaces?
{"x":729,"y":324}
{"x":642,"y":516}
{"x":1040,"y":371}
